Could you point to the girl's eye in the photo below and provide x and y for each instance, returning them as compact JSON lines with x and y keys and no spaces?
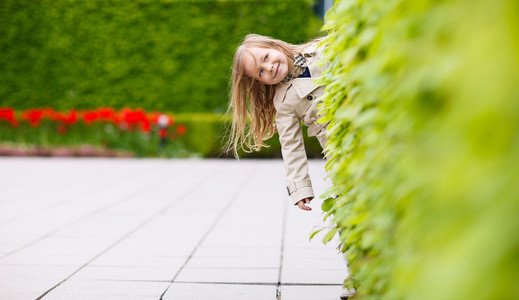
{"x":266,"y":57}
{"x":261,"y":72}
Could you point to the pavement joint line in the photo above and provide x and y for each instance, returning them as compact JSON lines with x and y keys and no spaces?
{"x":240,"y":246}
{"x":283,"y":233}
{"x":121,"y":200}
{"x":259,"y":283}
{"x":129,"y":233}
{"x":213,"y":225}
{"x":231,"y":268}
{"x":220,"y":282}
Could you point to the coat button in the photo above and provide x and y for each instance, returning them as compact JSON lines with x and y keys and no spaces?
{"x":310,"y":97}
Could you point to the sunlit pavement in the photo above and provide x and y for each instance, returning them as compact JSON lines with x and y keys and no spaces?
{"x":146,"y":229}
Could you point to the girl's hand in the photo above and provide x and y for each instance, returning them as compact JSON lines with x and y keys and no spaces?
{"x":301,"y":204}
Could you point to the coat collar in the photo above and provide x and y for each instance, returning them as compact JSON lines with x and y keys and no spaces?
{"x":302,"y":86}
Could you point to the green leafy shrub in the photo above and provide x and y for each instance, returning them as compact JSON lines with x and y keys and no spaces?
{"x":424,"y":150}
{"x":156,"y":55}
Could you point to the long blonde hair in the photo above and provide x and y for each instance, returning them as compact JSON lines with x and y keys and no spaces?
{"x":251,"y":102}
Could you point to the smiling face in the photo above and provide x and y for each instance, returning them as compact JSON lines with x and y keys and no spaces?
{"x":268,"y":66}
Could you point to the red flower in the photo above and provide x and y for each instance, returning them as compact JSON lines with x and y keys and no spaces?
{"x":145,"y":127}
{"x":34,"y":116}
{"x":163,"y":133}
{"x":71,"y":118}
{"x":52,"y":114}
{"x":135,"y":119}
{"x":7,"y":114}
{"x":89,"y":116}
{"x":107,"y":114}
{"x":181,"y":129}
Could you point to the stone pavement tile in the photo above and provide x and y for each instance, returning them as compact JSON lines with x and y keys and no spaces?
{"x":86,"y":231}
{"x":303,"y":275}
{"x":88,"y":296}
{"x":150,"y":250}
{"x":237,"y":275}
{"x":311,"y":252}
{"x":98,"y":289}
{"x":233,"y":262}
{"x":128,"y":273}
{"x":332,"y":263}
{"x":152,"y":246}
{"x":197,"y":291}
{"x":176,"y":220}
{"x":25,"y":288}
{"x":11,"y":241}
{"x":310,"y":292}
{"x":103,"y":225}
{"x":15,"y":238}
{"x":45,"y":259}
{"x":30,"y":272}
{"x":244,"y":223}
{"x":31,"y":225}
{"x":67,"y":246}
{"x":244,"y":239}
{"x":301,"y":239}
{"x":232,"y":252}
{"x":265,"y":228}
{"x":118,"y":260}
{"x":46,"y":210}
{"x":265,"y":231}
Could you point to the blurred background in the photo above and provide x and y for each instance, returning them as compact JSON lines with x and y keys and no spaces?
{"x":93,"y":78}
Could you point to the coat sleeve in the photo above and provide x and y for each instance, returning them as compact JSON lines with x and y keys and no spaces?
{"x":294,"y":155}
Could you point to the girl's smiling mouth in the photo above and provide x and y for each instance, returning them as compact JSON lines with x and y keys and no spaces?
{"x":277,"y":69}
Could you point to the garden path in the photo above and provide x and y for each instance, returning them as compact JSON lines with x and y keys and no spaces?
{"x":146,"y":229}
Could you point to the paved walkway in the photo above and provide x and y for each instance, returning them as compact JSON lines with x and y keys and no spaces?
{"x":159,"y":229}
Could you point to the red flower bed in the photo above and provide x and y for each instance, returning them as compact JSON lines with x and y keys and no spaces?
{"x":60,"y":132}
{"x":125,"y":119}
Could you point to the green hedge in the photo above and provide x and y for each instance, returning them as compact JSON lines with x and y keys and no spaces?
{"x":157,"y":55}
{"x":424,"y":152}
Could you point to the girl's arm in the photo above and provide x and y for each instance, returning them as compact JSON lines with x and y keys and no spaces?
{"x":294,"y":156}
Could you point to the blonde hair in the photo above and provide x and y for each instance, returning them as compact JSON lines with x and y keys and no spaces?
{"x":251,"y":102}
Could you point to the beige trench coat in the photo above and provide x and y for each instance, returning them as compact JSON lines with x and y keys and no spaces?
{"x":295,"y":102}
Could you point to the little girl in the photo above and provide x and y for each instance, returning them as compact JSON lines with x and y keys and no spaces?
{"x":273,"y":80}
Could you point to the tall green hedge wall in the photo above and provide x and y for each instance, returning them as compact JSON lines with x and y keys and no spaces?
{"x":424,"y":151}
{"x":159,"y":55}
